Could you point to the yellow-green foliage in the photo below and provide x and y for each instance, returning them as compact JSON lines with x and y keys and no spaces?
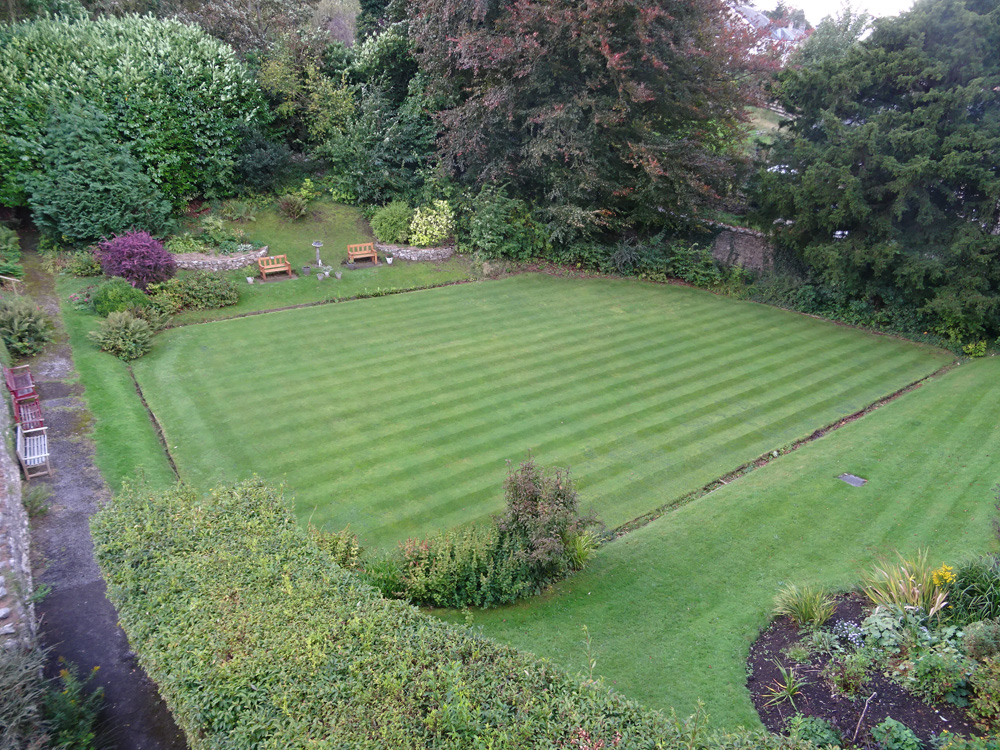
{"x":257,"y":639}
{"x":805,"y":605}
{"x":910,"y":582}
{"x":432,"y":225}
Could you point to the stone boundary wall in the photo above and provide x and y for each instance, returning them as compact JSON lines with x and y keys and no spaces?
{"x":199,"y":262}
{"x":739,"y":246}
{"x":406,"y":252}
{"x":17,"y":614}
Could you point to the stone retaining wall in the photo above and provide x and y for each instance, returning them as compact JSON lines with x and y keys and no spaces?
{"x":199,"y":262}
{"x":738,"y":246}
{"x":407,"y":252}
{"x":17,"y":615}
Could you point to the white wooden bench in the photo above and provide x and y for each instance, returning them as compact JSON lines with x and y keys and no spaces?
{"x":33,"y":452}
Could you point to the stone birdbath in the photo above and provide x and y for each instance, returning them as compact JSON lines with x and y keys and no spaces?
{"x":317,"y":244}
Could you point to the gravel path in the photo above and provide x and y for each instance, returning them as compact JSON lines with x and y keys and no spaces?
{"x":77,"y":621}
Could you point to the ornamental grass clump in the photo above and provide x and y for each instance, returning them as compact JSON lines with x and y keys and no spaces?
{"x":137,"y":257}
{"x":806,"y":606}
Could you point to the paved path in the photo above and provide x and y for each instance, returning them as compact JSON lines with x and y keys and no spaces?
{"x":77,"y":621}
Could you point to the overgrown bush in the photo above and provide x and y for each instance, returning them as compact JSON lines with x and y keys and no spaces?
{"x":261,"y":163}
{"x":257,"y":639}
{"x":137,"y":257}
{"x":124,"y":335}
{"x":502,"y":227}
{"x":293,"y":206}
{"x":813,"y":729}
{"x":184,"y":130}
{"x":196,"y":291}
{"x":940,"y":674}
{"x":342,"y":546}
{"x":431,"y":225}
{"x":391,"y":223}
{"x":88,"y":185}
{"x":25,"y":329}
{"x":117,"y":295}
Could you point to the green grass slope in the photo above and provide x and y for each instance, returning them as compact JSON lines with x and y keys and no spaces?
{"x":673,"y":607}
{"x":396,"y":415}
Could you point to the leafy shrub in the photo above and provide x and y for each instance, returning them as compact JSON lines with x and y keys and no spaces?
{"x":180,"y":244}
{"x":117,"y":295}
{"x":940,"y":675}
{"x":25,"y":329}
{"x":975,"y":349}
{"x":432,"y":225}
{"x":805,"y":606}
{"x":907,"y":583}
{"x":156,"y":317}
{"x":89,"y":186}
{"x":502,"y":227}
{"x":82,"y":264}
{"x":975,"y":594}
{"x":813,"y":729}
{"x":235,"y":210}
{"x":184,"y":131}
{"x":981,"y":639}
{"x":984,"y":705}
{"x":293,"y":206}
{"x":392,"y":223}
{"x":342,"y":546}
{"x":848,"y":673}
{"x":257,"y":639}
{"x":137,"y":257}
{"x":197,"y":291}
{"x":124,"y":336}
{"x":260,"y":163}
{"x":883,"y":629}
{"x":71,"y":712}
{"x":10,"y":253}
{"x":164,"y":301}
{"x":894,"y":735}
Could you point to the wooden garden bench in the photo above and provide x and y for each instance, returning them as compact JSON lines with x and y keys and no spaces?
{"x":362,"y":251}
{"x":28,"y":413}
{"x":33,"y":452}
{"x":274,"y":264}
{"x":19,"y":382}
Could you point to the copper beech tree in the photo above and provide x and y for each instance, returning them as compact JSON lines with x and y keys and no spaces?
{"x":603,"y":113}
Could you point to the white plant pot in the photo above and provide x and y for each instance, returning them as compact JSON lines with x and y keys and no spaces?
{"x":389,"y":260}
{"x":249,"y":279}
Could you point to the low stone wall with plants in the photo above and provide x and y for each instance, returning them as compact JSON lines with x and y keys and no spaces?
{"x":257,"y":639}
{"x":198,"y":262}
{"x":406,"y":252}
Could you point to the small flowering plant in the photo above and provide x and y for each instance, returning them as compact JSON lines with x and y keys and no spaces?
{"x":943,"y":577}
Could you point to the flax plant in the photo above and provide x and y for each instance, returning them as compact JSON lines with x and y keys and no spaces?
{"x":905,"y":585}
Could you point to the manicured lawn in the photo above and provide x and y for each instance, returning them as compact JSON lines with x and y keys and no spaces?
{"x":673,"y":607}
{"x":396,"y":415}
{"x":335,"y":226}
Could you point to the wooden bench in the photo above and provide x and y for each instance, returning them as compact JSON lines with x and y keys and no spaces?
{"x":362,"y":251}
{"x":19,"y":382}
{"x":33,"y":452}
{"x":28,"y":413}
{"x":274,"y":264}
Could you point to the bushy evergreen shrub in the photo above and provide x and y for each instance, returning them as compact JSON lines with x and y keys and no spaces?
{"x":10,"y":253}
{"x":25,"y":329}
{"x":124,"y":335}
{"x":501,"y":227}
{"x":196,"y":291}
{"x":391,"y":223}
{"x":137,"y":257}
{"x":178,"y":97}
{"x":261,"y":163}
{"x":88,"y":186}
{"x":117,"y":295}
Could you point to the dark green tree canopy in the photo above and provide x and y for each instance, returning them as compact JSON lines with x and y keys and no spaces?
{"x":605,"y":113}
{"x":886,"y":185}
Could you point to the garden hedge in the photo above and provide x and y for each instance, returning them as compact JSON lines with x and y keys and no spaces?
{"x":258,"y":640}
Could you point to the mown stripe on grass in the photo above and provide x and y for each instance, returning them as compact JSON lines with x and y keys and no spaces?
{"x":397,"y":414}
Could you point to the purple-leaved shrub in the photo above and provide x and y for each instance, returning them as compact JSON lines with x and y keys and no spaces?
{"x":137,"y":257}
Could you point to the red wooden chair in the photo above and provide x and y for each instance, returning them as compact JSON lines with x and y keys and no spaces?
{"x":28,"y":413}
{"x":19,"y":382}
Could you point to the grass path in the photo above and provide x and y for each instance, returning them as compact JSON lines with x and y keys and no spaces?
{"x":673,"y":607}
{"x":396,"y":415}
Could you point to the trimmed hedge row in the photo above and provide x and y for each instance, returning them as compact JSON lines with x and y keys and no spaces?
{"x":258,"y":640}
